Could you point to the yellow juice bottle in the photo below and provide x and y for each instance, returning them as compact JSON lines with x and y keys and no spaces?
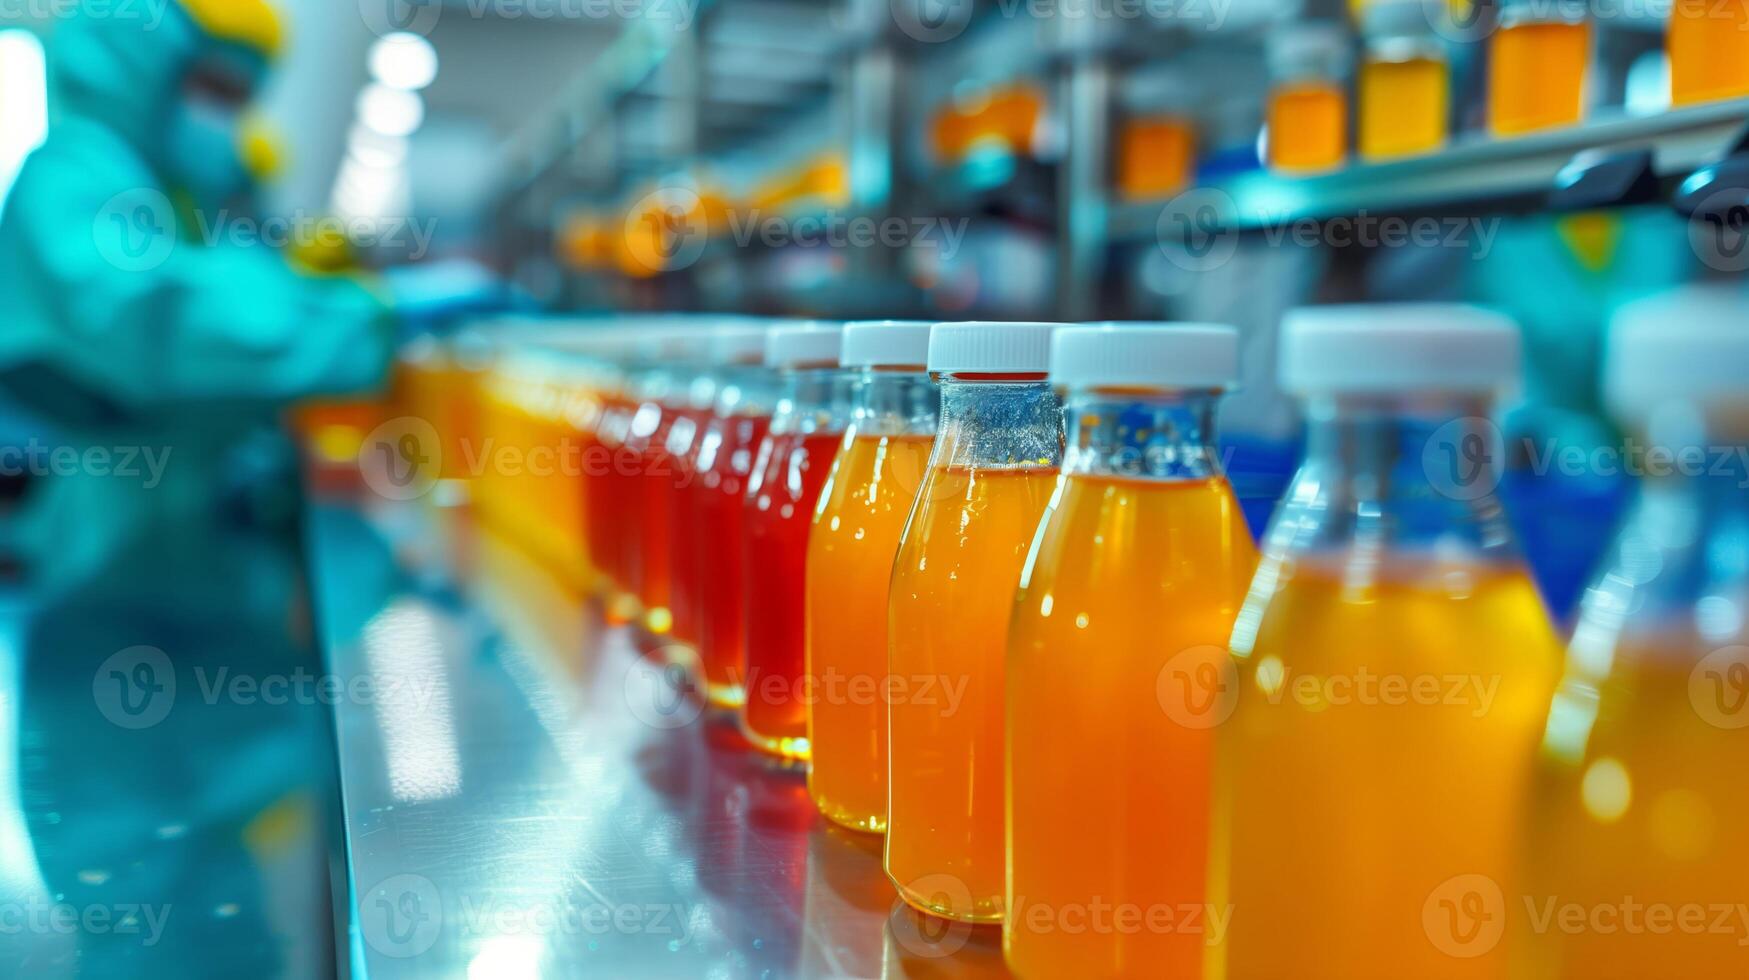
{"x":1404,"y":87}
{"x":855,"y":538}
{"x":1538,"y":62}
{"x":990,"y":475}
{"x":1392,"y":668}
{"x":1637,"y":863}
{"x":1307,"y":113}
{"x":1137,"y":574}
{"x":1708,"y":47}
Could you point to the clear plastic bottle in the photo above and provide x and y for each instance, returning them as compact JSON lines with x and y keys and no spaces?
{"x":991,"y":473}
{"x":855,"y":538}
{"x":729,"y":348}
{"x":746,"y":398}
{"x":1391,"y":669}
{"x":1309,"y":65}
{"x":1405,"y":81}
{"x":1142,"y":561}
{"x":782,"y":493}
{"x":1538,"y":64}
{"x":674,"y":353}
{"x":1642,"y":798}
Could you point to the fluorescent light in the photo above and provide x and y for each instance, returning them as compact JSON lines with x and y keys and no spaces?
{"x":390,"y":111}
{"x":404,"y":61}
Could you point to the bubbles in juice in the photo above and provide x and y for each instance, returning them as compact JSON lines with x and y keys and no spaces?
{"x":1308,"y":126}
{"x":1372,"y":782}
{"x":1130,"y":580}
{"x":952,"y":594}
{"x":850,"y":565}
{"x":1403,"y":106}
{"x":1641,"y":804}
{"x":781,"y":498}
{"x":725,"y":461}
{"x":1536,"y":76}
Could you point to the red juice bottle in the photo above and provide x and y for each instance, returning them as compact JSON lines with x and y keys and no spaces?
{"x":793,"y":463}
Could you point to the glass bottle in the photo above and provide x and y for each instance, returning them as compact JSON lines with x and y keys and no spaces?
{"x":1136,"y":576}
{"x":991,"y":472}
{"x":1405,"y":81}
{"x":1392,"y":666}
{"x":782,"y":493}
{"x":1309,"y":64}
{"x":855,"y":538}
{"x":1538,"y":63}
{"x":1641,"y":796}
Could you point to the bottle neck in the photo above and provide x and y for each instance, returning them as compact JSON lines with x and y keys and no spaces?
{"x":1400,"y":471}
{"x":895,"y":402}
{"x":814,"y":400}
{"x":747,"y":390}
{"x":1000,"y":423}
{"x":1143,"y":435}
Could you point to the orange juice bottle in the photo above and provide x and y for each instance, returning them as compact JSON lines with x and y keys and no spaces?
{"x":1642,"y":796}
{"x":1404,"y":88}
{"x":1538,"y":63}
{"x":783,"y":491}
{"x":855,"y":537}
{"x":1138,"y":572}
{"x":1708,"y":48}
{"x":991,"y":473}
{"x":1392,"y":668}
{"x":1307,"y":114}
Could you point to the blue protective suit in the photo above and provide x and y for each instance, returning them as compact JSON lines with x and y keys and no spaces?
{"x":157,"y":351}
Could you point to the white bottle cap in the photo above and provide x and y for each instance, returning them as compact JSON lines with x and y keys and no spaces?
{"x":991,"y":348}
{"x":1689,"y":344}
{"x":795,"y":345}
{"x":741,"y":341}
{"x":1397,"y":348}
{"x":1146,"y":355}
{"x":672,"y":339}
{"x":887,"y":343}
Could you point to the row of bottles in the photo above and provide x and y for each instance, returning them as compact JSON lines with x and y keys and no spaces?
{"x":990,"y":583}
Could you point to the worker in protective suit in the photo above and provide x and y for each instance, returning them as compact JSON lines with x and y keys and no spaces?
{"x":154,"y":530}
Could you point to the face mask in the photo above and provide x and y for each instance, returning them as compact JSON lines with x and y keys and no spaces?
{"x":204,"y":159}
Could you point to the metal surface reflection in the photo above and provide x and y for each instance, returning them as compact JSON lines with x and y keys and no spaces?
{"x":604,"y":823}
